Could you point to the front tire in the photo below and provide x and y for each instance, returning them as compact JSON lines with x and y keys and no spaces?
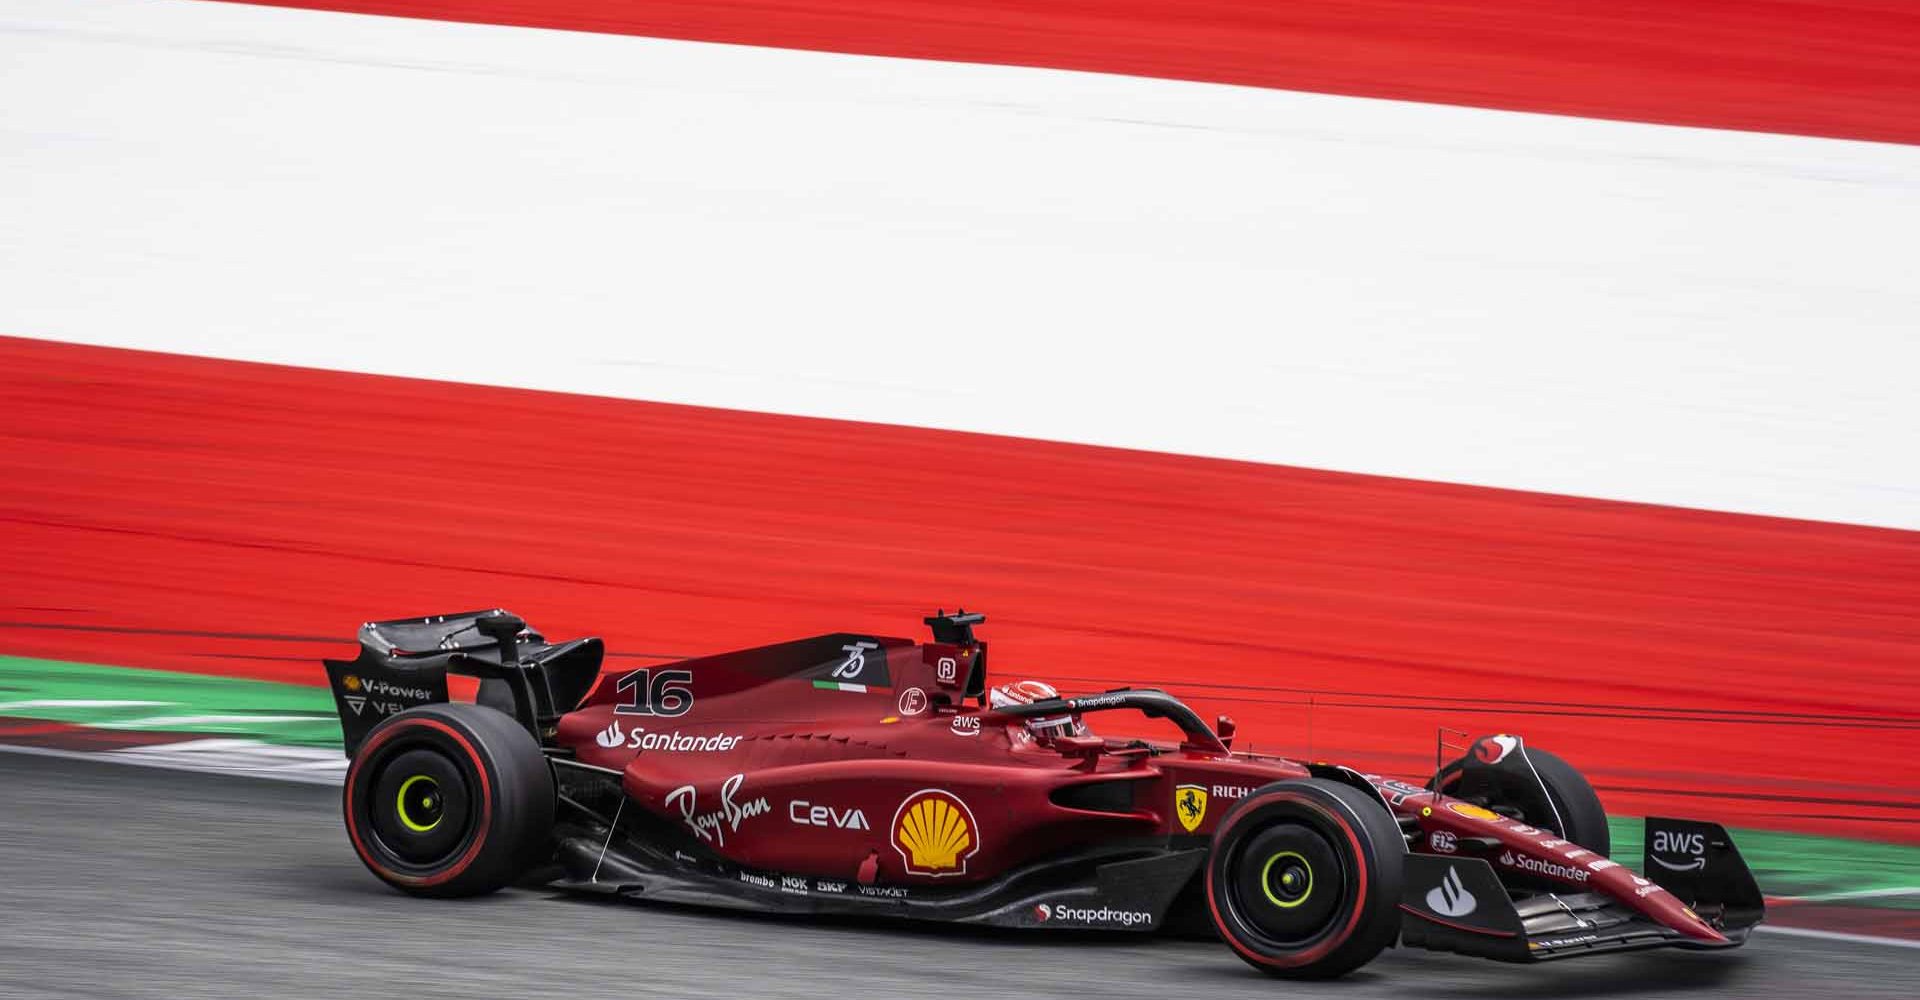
{"x":449,"y":800}
{"x":1303,"y":880}
{"x":1576,"y":813}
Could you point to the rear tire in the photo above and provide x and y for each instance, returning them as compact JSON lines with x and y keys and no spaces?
{"x":449,"y":800}
{"x":1303,"y":880}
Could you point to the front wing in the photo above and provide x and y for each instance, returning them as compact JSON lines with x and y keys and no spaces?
{"x":1460,"y":905}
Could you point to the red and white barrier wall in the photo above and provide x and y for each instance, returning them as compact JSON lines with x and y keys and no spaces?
{"x":941,"y":251}
{"x":1685,"y":316}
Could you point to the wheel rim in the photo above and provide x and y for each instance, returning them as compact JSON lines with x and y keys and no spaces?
{"x":1287,"y":883}
{"x":418,"y":807}
{"x":420,"y":804}
{"x":1292,"y":884}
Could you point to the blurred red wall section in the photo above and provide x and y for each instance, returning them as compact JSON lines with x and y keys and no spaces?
{"x":220,"y":517}
{"x":1848,"y":68}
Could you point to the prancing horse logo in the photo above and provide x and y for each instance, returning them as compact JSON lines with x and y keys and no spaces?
{"x":1190,"y":802}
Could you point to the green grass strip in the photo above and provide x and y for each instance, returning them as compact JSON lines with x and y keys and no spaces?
{"x":1786,"y":864}
{"x":1805,"y":864}
{"x":165,"y":701}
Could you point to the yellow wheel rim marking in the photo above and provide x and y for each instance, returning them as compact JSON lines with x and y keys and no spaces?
{"x":1266,"y":885}
{"x":400,"y":804}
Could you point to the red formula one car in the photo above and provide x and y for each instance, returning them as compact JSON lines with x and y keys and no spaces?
{"x":857,"y":774}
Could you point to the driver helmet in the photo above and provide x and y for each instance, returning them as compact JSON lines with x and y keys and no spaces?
{"x":1027,"y":692}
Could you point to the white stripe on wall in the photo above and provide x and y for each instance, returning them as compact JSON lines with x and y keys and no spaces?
{"x":1681,"y":316}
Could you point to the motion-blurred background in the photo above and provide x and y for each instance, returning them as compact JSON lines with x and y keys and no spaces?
{"x":1352,"y":368}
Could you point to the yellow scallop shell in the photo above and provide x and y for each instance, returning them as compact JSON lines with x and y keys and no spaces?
{"x":1472,"y":811}
{"x":934,"y":833}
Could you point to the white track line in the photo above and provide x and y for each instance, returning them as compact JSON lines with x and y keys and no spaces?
{"x":1835,"y":897}
{"x":309,"y":767}
{"x":1808,"y":932}
{"x":181,"y":721}
{"x":79,"y":703}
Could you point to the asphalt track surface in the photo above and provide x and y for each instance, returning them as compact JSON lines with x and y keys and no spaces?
{"x":139,"y":882}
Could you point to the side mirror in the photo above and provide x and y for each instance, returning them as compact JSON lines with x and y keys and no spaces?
{"x":1078,"y":746}
{"x":1224,"y":728}
{"x":1087,"y":748}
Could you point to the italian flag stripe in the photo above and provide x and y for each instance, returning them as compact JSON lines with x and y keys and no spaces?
{"x":840,"y":686}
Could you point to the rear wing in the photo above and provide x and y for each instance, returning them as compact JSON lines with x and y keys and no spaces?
{"x":404,"y":663}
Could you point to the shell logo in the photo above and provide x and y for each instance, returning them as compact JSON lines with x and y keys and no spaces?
{"x":1472,"y":811}
{"x":935,"y":834}
{"x":351,"y":683}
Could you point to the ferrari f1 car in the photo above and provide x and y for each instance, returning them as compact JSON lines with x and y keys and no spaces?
{"x":869,"y":775}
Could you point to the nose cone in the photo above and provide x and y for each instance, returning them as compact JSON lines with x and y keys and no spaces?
{"x":1691,"y":925}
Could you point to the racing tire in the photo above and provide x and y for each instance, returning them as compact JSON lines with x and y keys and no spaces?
{"x":1304,"y":876}
{"x":449,"y":800}
{"x":1583,"y":819}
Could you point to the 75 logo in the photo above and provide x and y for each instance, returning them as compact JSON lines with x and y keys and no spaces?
{"x":856,"y":660}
